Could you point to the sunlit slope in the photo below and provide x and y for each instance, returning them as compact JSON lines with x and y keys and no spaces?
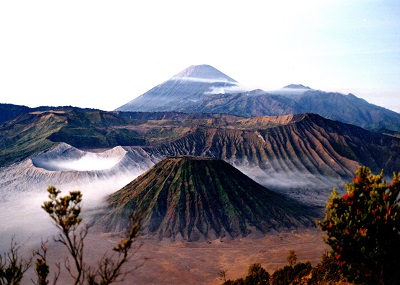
{"x":196,"y":198}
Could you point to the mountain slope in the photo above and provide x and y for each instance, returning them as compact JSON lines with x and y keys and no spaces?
{"x":196,"y":198}
{"x":344,"y":108}
{"x":34,"y":132}
{"x":188,"y":86}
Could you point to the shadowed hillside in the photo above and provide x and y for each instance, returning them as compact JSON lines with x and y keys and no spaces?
{"x":196,"y":198}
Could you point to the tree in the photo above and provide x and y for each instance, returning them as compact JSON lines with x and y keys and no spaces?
{"x":292,"y":273}
{"x":362,"y":228}
{"x":12,"y":265}
{"x":65,"y":212}
{"x":292,"y":258}
{"x":256,"y":275}
{"x":326,"y":272}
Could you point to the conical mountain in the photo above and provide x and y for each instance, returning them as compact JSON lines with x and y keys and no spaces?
{"x":188,"y":86}
{"x":192,"y":198}
{"x":203,"y":72}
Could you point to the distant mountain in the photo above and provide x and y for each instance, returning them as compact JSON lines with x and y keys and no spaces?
{"x":344,"y":108}
{"x":188,"y":198}
{"x":189,"y":86}
{"x":296,"y":86}
{"x":203,"y":89}
{"x":11,"y":111}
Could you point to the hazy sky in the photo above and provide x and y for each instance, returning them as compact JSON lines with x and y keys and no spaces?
{"x":102,"y":54}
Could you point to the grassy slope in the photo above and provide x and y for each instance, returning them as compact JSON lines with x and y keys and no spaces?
{"x":28,"y":135}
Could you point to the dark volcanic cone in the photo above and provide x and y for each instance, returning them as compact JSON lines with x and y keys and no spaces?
{"x":196,"y":198}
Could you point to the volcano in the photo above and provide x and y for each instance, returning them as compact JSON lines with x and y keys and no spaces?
{"x":190,"y":85}
{"x":194,"y":198}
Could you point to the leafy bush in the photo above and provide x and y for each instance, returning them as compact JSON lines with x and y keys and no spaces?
{"x":363,"y":226}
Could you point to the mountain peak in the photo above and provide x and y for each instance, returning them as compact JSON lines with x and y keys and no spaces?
{"x":297,"y":86}
{"x":203,"y":72}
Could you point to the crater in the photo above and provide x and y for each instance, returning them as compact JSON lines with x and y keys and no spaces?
{"x":65,"y":157}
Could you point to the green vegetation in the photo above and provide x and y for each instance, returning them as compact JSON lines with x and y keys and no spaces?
{"x":363,"y":228}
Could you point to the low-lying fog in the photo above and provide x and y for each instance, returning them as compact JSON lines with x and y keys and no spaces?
{"x":23,"y":189}
{"x":21,"y":214}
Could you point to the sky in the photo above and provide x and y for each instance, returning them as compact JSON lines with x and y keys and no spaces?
{"x":102,"y":54}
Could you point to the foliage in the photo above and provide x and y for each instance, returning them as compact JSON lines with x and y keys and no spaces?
{"x":326,"y":272}
{"x":255,"y":275}
{"x":12,"y":265}
{"x":291,"y":274}
{"x":65,"y":212}
{"x":363,"y":226}
{"x":292,"y":258}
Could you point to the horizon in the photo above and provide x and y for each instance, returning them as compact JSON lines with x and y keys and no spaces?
{"x":84,"y":53}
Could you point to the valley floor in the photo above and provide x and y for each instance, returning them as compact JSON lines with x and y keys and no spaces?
{"x":199,"y":262}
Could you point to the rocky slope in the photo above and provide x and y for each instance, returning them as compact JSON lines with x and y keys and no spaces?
{"x":192,"y":198}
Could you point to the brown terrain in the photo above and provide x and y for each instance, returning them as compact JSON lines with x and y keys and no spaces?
{"x":199,"y":262}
